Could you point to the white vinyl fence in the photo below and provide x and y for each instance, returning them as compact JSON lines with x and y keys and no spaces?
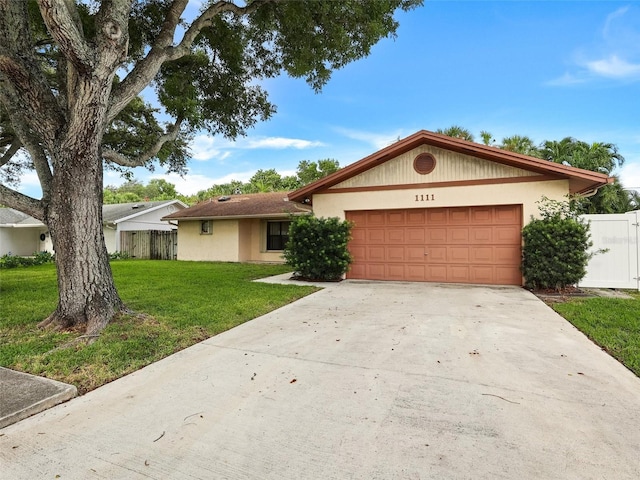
{"x":619,"y":267}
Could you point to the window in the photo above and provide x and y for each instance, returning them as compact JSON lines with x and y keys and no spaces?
{"x":206,"y":227}
{"x":277,"y":235}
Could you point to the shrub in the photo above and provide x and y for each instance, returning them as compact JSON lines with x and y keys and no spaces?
{"x":119,"y":256}
{"x":555,"y":252}
{"x":13,"y":261}
{"x":317,"y":247}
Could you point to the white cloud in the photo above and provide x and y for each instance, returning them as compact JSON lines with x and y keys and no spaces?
{"x":614,"y":67}
{"x":205,"y":148}
{"x":615,"y":55}
{"x":566,"y":80}
{"x":630,"y":175}
{"x":611,"y":18}
{"x":377,"y":140}
{"x":191,"y":184}
{"x":278,"y":143}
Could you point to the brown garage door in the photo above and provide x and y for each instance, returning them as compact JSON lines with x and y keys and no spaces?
{"x":457,"y":245}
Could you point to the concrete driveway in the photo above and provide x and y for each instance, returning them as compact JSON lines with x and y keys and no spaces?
{"x":362,"y":380}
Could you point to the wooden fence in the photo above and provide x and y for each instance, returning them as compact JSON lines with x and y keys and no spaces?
{"x":150,"y":244}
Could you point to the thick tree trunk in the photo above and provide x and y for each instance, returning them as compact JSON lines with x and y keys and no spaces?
{"x":87,"y":293}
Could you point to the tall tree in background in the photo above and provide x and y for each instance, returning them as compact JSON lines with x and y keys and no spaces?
{"x":308,"y":171}
{"x":598,"y":157}
{"x":71,"y":76}
{"x":456,"y":131}
{"x":519,"y":144}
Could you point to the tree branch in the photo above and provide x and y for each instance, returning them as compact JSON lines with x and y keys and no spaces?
{"x":141,"y":160}
{"x":63,"y":22}
{"x":28,"y":139}
{"x":162,"y":49}
{"x":22,"y":203}
{"x":11,"y":151}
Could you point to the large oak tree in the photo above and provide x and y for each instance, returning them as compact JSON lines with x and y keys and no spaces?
{"x":72,"y":73}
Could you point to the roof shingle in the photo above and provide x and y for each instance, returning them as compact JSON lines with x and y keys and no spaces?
{"x":238,"y":206}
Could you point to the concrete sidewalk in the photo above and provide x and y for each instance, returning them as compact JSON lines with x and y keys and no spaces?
{"x":362,"y":380}
{"x":23,"y":395}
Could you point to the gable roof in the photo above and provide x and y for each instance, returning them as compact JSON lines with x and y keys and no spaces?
{"x":580,"y":181}
{"x":253,"y":205}
{"x":119,"y":212}
{"x":15,"y":218}
{"x":112,"y":213}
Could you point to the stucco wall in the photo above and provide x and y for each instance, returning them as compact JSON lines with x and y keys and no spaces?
{"x":111,"y":239}
{"x":20,"y":241}
{"x":221,"y":245}
{"x":524,"y":193}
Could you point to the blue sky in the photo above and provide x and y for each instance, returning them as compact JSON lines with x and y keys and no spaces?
{"x":541,"y":68}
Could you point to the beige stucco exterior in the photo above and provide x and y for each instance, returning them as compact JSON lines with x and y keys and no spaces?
{"x":373,"y":189}
{"x":233,"y":240}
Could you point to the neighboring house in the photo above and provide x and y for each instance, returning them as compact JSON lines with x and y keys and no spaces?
{"x":23,"y":235}
{"x":439,"y":209}
{"x":126,"y":217}
{"x":236,"y":228}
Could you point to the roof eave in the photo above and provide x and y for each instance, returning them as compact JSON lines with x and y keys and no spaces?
{"x":237,"y":217}
{"x":485,"y":152}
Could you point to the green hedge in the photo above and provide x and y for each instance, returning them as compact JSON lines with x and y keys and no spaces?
{"x":555,"y":252}
{"x":317,"y":247}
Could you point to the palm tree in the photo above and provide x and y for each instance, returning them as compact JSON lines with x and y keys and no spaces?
{"x":456,"y":131}
{"x":519,"y":144}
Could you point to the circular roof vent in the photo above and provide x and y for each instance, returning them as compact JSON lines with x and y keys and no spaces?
{"x":424,"y":163}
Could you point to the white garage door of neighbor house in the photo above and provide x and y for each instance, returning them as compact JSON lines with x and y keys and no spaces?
{"x":480,"y":245}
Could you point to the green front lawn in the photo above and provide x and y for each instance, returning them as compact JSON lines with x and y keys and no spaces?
{"x":181,"y":303}
{"x":614,"y":324}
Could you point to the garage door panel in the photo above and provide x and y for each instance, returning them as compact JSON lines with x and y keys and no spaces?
{"x":481,"y":235}
{"x":375,"y":236}
{"x":483,"y":274}
{"x":457,"y":254}
{"x":458,"y":274}
{"x":415,"y":235}
{"x":358,"y":236}
{"x":459,"y":215}
{"x":436,"y":254}
{"x":359,"y":253}
{"x":416,"y":216}
{"x":481,"y":215}
{"x":509,"y":234}
{"x":415,"y":273}
{"x":482,"y":255}
{"x":436,"y":273}
{"x":396,"y":235}
{"x":507,"y":255}
{"x":436,"y":235}
{"x":462,"y":244}
{"x":376,"y":271}
{"x":375,"y":254}
{"x":395,"y":272}
{"x":437,"y":216}
{"x":375,"y":218}
{"x":458,"y":235}
{"x":508,"y":214}
{"x":415,"y":254}
{"x":395,"y":254}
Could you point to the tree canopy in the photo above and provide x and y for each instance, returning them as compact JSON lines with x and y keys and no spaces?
{"x":74,"y":75}
{"x":599,"y":157}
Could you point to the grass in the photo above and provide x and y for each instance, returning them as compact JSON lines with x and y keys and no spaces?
{"x":613,"y":324}
{"x":183,"y":303}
